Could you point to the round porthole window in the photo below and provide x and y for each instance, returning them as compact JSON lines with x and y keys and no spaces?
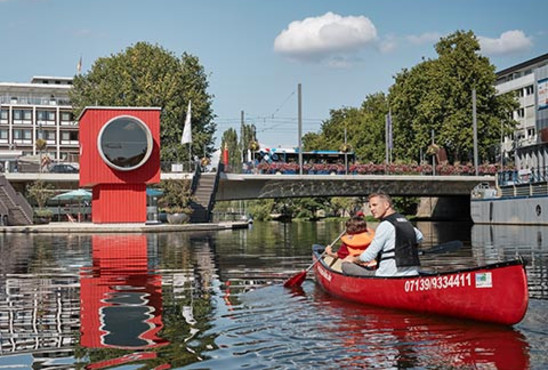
{"x":125,"y":143}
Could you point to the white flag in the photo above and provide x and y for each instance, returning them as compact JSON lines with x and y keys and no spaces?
{"x":187,"y":130}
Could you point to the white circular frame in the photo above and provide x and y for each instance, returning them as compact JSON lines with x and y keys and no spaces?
{"x":149,"y":143}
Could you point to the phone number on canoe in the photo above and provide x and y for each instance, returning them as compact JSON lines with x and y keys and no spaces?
{"x":438,"y":282}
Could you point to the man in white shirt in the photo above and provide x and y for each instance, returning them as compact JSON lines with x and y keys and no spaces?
{"x":395,"y":243}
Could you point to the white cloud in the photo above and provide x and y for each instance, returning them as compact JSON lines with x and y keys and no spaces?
{"x":326,"y":37}
{"x":425,"y":38}
{"x":509,"y":42}
{"x":388,"y":44}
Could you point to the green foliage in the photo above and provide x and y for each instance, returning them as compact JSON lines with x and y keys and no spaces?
{"x":40,"y":192}
{"x":230,"y":141}
{"x":437,"y":95}
{"x":406,"y":205}
{"x":260,"y":210}
{"x":364,"y":130}
{"x":177,"y":196}
{"x":433,"y":95}
{"x":248,"y":137}
{"x":149,"y":76}
{"x":43,"y":213}
{"x":41,"y":144}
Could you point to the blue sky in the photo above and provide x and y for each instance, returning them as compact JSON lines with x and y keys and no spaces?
{"x":257,"y":52}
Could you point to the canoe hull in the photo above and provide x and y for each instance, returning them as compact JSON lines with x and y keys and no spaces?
{"x":494,"y":293}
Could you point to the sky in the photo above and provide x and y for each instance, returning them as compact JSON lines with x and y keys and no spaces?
{"x":257,"y":52}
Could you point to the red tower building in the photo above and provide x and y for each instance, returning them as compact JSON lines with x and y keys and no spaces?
{"x":119,"y":156}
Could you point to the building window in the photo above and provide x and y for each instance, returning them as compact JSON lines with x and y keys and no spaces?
{"x":520,"y":113}
{"x":22,"y":136}
{"x":69,"y":137}
{"x":45,"y":115}
{"x":50,"y":135}
{"x":531,"y":132}
{"x":67,"y":116}
{"x":529,"y":90}
{"x":22,"y":116}
{"x":4,"y":114}
{"x":4,"y":135}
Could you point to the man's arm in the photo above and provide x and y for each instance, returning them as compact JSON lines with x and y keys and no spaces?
{"x":419,"y":235}
{"x":382,"y":234}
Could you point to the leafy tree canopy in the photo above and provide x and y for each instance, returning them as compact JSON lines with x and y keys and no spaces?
{"x":150,"y":76}
{"x":434,"y":95}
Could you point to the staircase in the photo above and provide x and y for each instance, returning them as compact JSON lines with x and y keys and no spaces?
{"x":204,"y":188}
{"x":14,"y":208}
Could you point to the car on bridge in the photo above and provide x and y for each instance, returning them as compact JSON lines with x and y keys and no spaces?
{"x":63,"y":168}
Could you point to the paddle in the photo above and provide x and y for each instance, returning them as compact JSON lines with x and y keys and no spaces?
{"x":297,"y":279}
{"x":442,"y":248}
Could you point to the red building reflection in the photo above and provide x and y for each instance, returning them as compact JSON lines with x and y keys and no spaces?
{"x":121,"y":300}
{"x":381,"y":338}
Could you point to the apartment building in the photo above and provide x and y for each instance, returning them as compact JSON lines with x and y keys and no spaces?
{"x":521,"y":79}
{"x":39,"y":109}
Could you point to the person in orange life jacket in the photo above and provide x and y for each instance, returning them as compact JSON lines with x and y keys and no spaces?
{"x":355,"y":241}
{"x":396,"y":242}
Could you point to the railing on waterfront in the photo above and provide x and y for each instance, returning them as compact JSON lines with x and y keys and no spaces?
{"x":523,"y":183}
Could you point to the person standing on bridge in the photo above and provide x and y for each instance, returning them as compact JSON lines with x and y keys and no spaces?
{"x":395,"y":245}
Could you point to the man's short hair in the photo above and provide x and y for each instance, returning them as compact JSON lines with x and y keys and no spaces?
{"x":382,"y":195}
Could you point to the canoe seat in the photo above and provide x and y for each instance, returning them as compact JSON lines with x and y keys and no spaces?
{"x":328,"y":260}
{"x":336,"y":266}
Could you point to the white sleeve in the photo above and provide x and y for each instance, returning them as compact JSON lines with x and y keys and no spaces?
{"x":419,"y":235}
{"x":382,"y":234}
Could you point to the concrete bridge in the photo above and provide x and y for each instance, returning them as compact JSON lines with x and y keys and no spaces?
{"x":444,"y":197}
{"x":241,"y":187}
{"x":252,"y":186}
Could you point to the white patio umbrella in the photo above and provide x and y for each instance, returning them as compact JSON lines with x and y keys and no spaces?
{"x":78,"y":195}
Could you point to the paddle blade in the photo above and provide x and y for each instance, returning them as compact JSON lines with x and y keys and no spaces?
{"x":295,"y":280}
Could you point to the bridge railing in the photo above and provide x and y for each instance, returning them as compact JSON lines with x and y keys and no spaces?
{"x":533,"y":175}
{"x":366,"y":169}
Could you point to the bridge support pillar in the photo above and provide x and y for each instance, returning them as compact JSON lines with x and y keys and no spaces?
{"x":444,"y":208}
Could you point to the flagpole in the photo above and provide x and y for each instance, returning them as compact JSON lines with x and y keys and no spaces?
{"x":190,"y":156}
{"x":186,"y":138}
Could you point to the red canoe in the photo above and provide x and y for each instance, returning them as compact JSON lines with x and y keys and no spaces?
{"x":494,"y":293}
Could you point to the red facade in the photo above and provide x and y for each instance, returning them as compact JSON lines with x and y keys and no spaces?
{"x":119,"y":196}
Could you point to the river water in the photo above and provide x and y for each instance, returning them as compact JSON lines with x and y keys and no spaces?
{"x":215,"y":300}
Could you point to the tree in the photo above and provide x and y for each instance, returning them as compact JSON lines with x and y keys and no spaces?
{"x":148,"y":75}
{"x":230,"y":141}
{"x":248,"y":135}
{"x":40,"y":191}
{"x":176,"y":196}
{"x":364,"y":129}
{"x":437,"y":95}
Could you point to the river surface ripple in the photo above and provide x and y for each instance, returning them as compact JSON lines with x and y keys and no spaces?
{"x":215,"y":300}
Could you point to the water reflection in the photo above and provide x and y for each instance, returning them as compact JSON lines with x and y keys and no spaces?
{"x":274,"y":328}
{"x":214,"y":300}
{"x":121,"y":299}
{"x":492,"y":243}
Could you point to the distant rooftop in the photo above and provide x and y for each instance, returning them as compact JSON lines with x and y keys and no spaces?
{"x":51,"y":80}
{"x":521,"y":66}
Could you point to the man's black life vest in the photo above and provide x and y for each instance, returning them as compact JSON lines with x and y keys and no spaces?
{"x":406,"y":251}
